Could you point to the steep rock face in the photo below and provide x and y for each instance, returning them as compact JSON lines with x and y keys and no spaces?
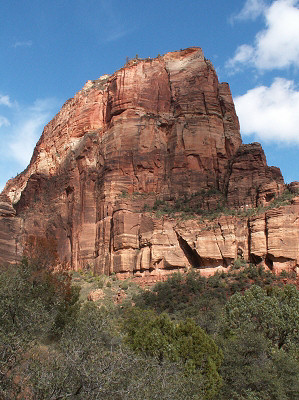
{"x":251,"y":182}
{"x":10,"y":228}
{"x":156,"y":247}
{"x":160,"y":128}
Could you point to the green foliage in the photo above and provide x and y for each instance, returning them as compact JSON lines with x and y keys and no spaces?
{"x":35,"y":304}
{"x":273,"y":312}
{"x":124,"y":285}
{"x":90,"y":362}
{"x":254,"y":321}
{"x":283,"y":199}
{"x":35,"y":301}
{"x":183,"y":338}
{"x":146,"y":208}
{"x":202,"y":298}
{"x":260,"y":341}
{"x":189,"y":206}
{"x":124,"y":194}
{"x":252,"y":369}
{"x":238,"y":263}
{"x":157,"y":336}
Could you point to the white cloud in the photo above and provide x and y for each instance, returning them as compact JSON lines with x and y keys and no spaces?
{"x":243,"y":54}
{"x":5,"y":101}
{"x":19,"y":134}
{"x":277,"y":46}
{"x":27,"y":129}
{"x":251,"y":10}
{"x":4,"y":121}
{"x":270,"y":113}
{"x":27,"y":43}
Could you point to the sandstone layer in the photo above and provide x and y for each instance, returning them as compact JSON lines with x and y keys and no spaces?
{"x":164,"y":129}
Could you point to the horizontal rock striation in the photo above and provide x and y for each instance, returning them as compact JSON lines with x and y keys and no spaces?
{"x":164,"y":129}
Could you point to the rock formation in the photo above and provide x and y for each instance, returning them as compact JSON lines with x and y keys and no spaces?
{"x":157,"y":129}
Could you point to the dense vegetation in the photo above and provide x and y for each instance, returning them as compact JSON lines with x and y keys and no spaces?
{"x":232,"y":336}
{"x":252,"y":316}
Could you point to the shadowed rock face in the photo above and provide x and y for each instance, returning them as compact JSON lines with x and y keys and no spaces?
{"x":10,"y":227}
{"x":162,"y":128}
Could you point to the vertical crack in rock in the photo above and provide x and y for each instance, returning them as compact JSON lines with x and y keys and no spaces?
{"x":250,"y":256}
{"x":205,"y":103}
{"x":229,"y":170}
{"x":220,"y":251}
{"x":111,"y":235}
{"x":134,"y":172}
{"x":268,"y":260}
{"x":266,"y":233}
{"x":221,"y":231}
{"x":191,"y":254}
{"x":169,"y":84}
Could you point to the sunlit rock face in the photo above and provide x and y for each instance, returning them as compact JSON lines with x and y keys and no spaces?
{"x":159,"y":128}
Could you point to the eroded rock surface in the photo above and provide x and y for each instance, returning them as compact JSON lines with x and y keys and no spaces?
{"x":159,"y":128}
{"x":10,"y":228}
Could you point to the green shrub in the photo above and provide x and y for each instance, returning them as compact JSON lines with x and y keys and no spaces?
{"x":124,"y":285}
{"x":238,"y":263}
{"x":157,"y":336}
{"x":90,"y":362}
{"x":124,"y":194}
{"x":252,"y":369}
{"x":113,"y":276}
{"x":35,"y":305}
{"x":273,"y":312}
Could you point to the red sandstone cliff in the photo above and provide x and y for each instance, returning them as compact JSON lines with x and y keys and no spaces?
{"x":158,"y":128}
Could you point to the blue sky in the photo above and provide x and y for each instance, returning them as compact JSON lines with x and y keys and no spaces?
{"x":50,"y":48}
